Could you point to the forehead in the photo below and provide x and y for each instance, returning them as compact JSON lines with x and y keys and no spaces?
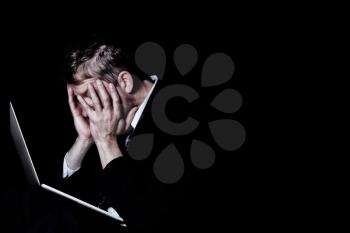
{"x":83,"y":85}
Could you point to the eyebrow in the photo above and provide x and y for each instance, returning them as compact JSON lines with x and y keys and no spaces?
{"x":76,"y":82}
{"x":81,"y":81}
{"x":84,"y":76}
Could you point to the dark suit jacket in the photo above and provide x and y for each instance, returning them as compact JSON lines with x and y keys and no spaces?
{"x":130,"y":186}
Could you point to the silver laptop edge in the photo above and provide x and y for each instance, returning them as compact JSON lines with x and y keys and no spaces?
{"x":22,"y":149}
{"x":79,"y":201}
{"x":30,"y":171}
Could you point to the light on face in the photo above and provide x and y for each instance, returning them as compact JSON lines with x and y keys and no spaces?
{"x":83,"y":90}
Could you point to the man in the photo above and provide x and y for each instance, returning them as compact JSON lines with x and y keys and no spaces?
{"x":107,"y":99}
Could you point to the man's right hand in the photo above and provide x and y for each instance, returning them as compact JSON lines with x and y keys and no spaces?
{"x":80,"y":122}
{"x":76,"y":154}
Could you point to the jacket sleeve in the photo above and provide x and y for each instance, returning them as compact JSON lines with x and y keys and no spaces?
{"x":138,"y":198}
{"x":81,"y":183}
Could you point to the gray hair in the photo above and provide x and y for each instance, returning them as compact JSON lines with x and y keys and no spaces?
{"x":97,"y":61}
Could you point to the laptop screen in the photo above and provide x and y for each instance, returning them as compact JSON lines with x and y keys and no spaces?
{"x":22,"y":149}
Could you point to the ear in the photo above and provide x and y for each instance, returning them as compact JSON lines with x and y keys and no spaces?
{"x":126,"y":81}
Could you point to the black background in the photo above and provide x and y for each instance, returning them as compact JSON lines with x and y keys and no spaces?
{"x":229,"y":195}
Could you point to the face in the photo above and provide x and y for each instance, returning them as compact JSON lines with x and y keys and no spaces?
{"x":123,"y":87}
{"x":82,"y":90}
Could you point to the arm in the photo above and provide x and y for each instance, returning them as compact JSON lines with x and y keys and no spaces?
{"x":106,"y":120}
{"x":76,"y":154}
{"x":108,"y":150}
{"x":137,"y":199}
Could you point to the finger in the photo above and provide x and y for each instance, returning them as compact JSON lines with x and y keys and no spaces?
{"x":130,"y":117}
{"x":85,"y":106}
{"x":115,"y":97}
{"x":71,"y":102}
{"x":104,"y":96}
{"x":94,"y":97}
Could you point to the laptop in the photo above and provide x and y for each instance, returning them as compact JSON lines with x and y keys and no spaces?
{"x":31,"y":173}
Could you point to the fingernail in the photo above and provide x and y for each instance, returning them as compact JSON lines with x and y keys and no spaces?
{"x":99,"y":82}
{"x":111,"y":85}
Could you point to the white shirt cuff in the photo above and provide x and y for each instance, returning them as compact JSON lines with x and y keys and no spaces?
{"x":67,"y":172}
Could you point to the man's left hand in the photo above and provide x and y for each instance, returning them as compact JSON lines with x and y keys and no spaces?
{"x":107,"y":119}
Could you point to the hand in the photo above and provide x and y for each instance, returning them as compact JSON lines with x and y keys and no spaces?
{"x":76,"y":154}
{"x":106,"y":118}
{"x":80,"y":122}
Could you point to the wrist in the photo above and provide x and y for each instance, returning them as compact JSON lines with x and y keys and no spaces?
{"x":84,"y":141}
{"x":110,"y":140}
{"x":108,"y":150}
{"x":76,"y":154}
{"x":72,"y":163}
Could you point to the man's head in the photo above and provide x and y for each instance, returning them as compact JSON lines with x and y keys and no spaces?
{"x":109,"y":64}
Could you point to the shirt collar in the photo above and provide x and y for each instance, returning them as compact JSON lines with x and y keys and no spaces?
{"x":141,"y":108}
